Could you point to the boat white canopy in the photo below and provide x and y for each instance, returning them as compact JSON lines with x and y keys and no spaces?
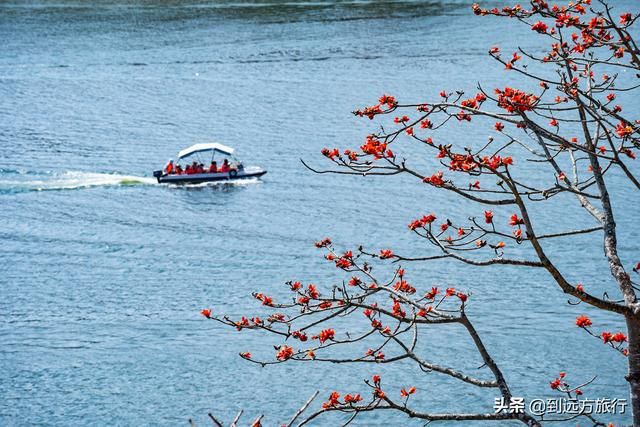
{"x":196,"y":148}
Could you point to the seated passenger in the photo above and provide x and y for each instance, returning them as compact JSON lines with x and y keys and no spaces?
{"x":188,"y":170}
{"x":179,"y":170}
{"x":200,"y":168}
{"x":169,"y":169}
{"x":213,"y":168}
{"x":225,"y":166}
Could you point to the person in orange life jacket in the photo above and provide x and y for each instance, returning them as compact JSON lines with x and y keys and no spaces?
{"x":169,"y":168}
{"x":179,"y":170}
{"x":213,"y":168}
{"x":225,"y":166}
{"x":189,"y":170}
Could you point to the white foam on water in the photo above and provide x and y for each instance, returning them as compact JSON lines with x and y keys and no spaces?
{"x":72,"y":180}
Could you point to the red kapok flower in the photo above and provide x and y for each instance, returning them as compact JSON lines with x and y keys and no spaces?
{"x":376,"y":380}
{"x":268,"y":301}
{"x":386,"y":253}
{"x":299,"y":335}
{"x":619,"y":337}
{"x":348,"y":398}
{"x":406,"y":393}
{"x":326,"y":334}
{"x":431,"y":294}
{"x":343,"y":263}
{"x":623,"y":130}
{"x":390,"y":101}
{"x":514,"y":220}
{"x":323,"y":243}
{"x":488,"y":217}
{"x":540,"y":27}
{"x":355,"y":281}
{"x":583,"y":321}
{"x":514,"y":100}
{"x":333,"y":400}
{"x":435,"y":179}
{"x":285,"y":353}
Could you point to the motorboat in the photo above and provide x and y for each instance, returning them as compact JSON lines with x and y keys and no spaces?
{"x":198,"y":160}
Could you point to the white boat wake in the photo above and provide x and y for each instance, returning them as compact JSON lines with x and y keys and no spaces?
{"x":20,"y":181}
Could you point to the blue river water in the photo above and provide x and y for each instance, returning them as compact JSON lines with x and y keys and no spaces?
{"x":103,"y":272}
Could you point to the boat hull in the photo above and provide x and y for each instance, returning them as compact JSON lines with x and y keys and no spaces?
{"x":210,"y":177}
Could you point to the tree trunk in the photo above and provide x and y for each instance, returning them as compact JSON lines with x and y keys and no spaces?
{"x":633,"y":332}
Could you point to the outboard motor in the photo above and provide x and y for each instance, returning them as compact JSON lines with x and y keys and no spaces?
{"x":157,"y":175}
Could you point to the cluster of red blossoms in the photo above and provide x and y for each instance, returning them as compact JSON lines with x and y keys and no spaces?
{"x":422,"y":222}
{"x":556,"y":383}
{"x":515,"y":100}
{"x":404,"y":286}
{"x":407,"y":392}
{"x":386,"y":253}
{"x":623,"y":130}
{"x":435,"y":179}
{"x":583,"y":321}
{"x":514,"y":220}
{"x":493,"y":162}
{"x":375,"y":147}
{"x":563,"y":18}
{"x":334,"y":400}
{"x":323,"y":243}
{"x":268,"y":301}
{"x":325,"y":335}
{"x":449,"y":292}
{"x":618,"y":337}
{"x":615,"y":340}
{"x":385,"y":100}
{"x":559,"y":384}
{"x":488,"y":217}
{"x":299,"y":335}
{"x":539,"y":27}
{"x":345,"y":261}
{"x":284,"y":353}
{"x":377,"y":356}
{"x":308,"y":295}
{"x":472,"y":103}
{"x":332,"y":154}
